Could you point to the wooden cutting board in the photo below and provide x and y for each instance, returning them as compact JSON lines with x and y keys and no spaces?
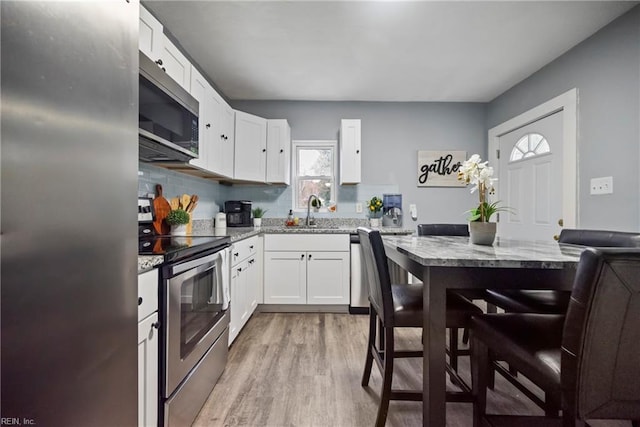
{"x":162,"y":209}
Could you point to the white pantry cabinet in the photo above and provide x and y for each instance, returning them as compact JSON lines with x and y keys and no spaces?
{"x":306,"y":269}
{"x":151,"y":35}
{"x":148,"y":338}
{"x":246,"y":282}
{"x":278,"y":152}
{"x":350,"y":151}
{"x":250,"y":147}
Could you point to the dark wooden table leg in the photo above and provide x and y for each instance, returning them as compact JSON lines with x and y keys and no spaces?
{"x":434,"y":379}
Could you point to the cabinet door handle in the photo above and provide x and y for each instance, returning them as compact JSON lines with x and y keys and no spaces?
{"x":357,"y":151}
{"x":302,"y":257}
{"x":155,"y":325}
{"x":159,"y":62}
{"x":240,"y":270}
{"x":281,"y":150}
{"x":139,"y":300}
{"x":264,"y":150}
{"x":309,"y":256}
{"x":236,"y":254}
{"x":208,"y":125}
{"x":251,"y":247}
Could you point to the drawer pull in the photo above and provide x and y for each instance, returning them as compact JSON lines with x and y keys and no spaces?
{"x":155,"y":325}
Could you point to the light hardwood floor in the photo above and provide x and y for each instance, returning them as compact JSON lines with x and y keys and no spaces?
{"x":305,"y":370}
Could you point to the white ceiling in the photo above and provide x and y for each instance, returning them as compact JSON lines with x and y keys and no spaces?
{"x":377,"y":50}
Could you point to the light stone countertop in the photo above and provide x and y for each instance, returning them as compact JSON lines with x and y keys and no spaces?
{"x":448,"y":251}
{"x":146,"y":262}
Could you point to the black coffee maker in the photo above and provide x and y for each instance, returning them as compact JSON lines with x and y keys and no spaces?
{"x":238,"y":213}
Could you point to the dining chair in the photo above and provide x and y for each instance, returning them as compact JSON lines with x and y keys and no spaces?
{"x":550,"y":301}
{"x":398,"y":305}
{"x":587,"y":362}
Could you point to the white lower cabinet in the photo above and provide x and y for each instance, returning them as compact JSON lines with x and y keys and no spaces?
{"x":306,"y":269}
{"x":285,"y":277}
{"x":246,"y":282}
{"x":148,"y":339}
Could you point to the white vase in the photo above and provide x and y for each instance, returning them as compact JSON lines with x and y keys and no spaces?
{"x":179,"y":230}
{"x":257,"y":222}
{"x":374,"y":222}
{"x":482,"y":233}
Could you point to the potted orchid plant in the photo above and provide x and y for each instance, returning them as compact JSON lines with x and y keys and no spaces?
{"x":477,"y":173}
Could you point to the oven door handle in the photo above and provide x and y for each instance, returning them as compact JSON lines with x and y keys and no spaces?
{"x":196,"y":271}
{"x":190,"y":265}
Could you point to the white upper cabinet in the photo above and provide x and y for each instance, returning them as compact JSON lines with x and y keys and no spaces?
{"x":278,"y":151}
{"x":153,"y":43}
{"x":223,"y":141}
{"x":250,"y":147}
{"x":175,"y":64}
{"x":228,"y":135}
{"x":151,"y":35}
{"x":200,"y":89}
{"x":350,"y":151}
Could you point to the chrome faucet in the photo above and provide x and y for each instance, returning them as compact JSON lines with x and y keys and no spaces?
{"x":309,"y":220}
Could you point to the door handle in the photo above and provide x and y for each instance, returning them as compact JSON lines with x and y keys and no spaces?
{"x":561,"y":222}
{"x":556,"y":237}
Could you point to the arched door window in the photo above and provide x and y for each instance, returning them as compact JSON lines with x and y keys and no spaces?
{"x":530,"y":145}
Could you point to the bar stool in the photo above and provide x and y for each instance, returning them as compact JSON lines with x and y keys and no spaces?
{"x":586,"y":362}
{"x":398,"y":305}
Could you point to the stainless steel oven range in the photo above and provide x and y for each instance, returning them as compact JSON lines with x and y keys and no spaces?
{"x":194,"y":302}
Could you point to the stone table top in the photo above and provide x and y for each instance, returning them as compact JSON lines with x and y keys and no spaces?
{"x":448,"y":251}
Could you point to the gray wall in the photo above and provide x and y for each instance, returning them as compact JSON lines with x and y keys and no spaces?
{"x":392,"y":133}
{"x":606,"y":71}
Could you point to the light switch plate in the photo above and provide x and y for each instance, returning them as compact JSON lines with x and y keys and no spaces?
{"x":358,"y":207}
{"x":603,"y":185}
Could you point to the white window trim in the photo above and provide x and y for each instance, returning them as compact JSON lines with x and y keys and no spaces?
{"x":313,"y":143}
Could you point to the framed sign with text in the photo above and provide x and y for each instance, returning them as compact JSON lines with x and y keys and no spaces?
{"x":440,"y":168}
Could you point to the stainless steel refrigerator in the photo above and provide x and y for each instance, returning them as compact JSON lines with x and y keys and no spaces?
{"x":68,"y":245}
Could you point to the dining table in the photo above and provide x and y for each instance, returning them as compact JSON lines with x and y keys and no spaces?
{"x":452,"y":262}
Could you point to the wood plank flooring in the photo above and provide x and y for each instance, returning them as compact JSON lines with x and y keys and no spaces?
{"x":290,"y":369}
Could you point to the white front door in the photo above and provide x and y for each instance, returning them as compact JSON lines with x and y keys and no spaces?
{"x":530,"y":179}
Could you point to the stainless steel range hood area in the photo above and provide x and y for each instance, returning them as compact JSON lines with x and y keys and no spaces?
{"x":168,"y":117}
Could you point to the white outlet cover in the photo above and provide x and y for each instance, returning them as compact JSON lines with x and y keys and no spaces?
{"x":358,"y":207}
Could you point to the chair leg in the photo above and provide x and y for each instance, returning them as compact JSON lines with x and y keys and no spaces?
{"x":387,"y":377}
{"x":465,"y":336}
{"x":453,"y":348}
{"x":480,"y":369}
{"x":371,"y":347}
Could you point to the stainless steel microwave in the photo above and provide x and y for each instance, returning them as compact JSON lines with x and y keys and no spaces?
{"x":168,"y":117}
